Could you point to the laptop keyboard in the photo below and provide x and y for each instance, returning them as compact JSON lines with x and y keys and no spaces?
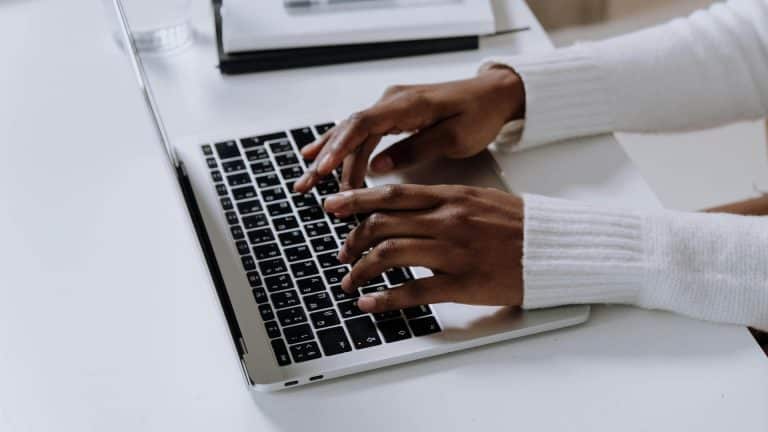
{"x":288,"y":247}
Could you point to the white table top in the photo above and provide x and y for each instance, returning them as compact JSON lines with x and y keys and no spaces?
{"x":108,"y":319}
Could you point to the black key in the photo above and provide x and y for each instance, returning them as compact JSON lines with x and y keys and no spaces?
{"x":336,"y":221}
{"x":273,"y":266}
{"x":256,"y":154}
{"x":333,"y":341}
{"x":284,"y":299}
{"x":260,"y":236}
{"x":323,"y":244}
{"x":299,"y":333}
{"x":285,"y":223}
{"x":291,"y":238}
{"x":304,"y":269}
{"x":260,"y":295}
{"x":323,"y":128}
{"x":231,"y":217}
{"x":278,"y":282}
{"x":289,"y":185}
{"x":265,"y":310}
{"x":248,"y":207}
{"x":278,"y":208}
{"x":281,"y":146}
{"x":298,"y":253}
{"x":273,"y":330}
{"x":339,"y":170}
{"x":305,"y":351}
{"x":286,"y":159}
{"x":242,"y":247}
{"x":292,"y":172}
{"x":275,"y":194}
{"x":254,"y":279}
{"x":396,"y":276}
{"x":417,"y":311}
{"x":291,"y":316}
{"x":248,"y":263}
{"x":310,"y":214}
{"x":382,"y":316}
{"x":324,"y":318}
{"x":262,"y":167}
{"x":238,"y":179}
{"x":227,"y":149}
{"x":216,"y":176}
{"x":226,"y":203}
{"x":377,"y":288}
{"x":375,"y":281}
{"x":207,"y":151}
{"x":349,"y":309}
{"x":257,"y":220}
{"x":394,"y":330}
{"x":317,"y":301}
{"x":310,"y":285}
{"x":363,"y":332}
{"x":328,"y":187}
{"x":221,"y":189}
{"x":256,"y":141}
{"x":424,"y":326}
{"x":300,"y":201}
{"x":237,"y":232}
{"x":302,"y":137}
{"x":267,"y":180}
{"x":211,"y":162}
{"x":342,"y":231}
{"x":266,"y":251}
{"x":334,"y":276}
{"x":328,"y":260}
{"x":338,"y":294}
{"x":243,"y":193}
{"x":281,"y":352}
{"x":233,"y":165}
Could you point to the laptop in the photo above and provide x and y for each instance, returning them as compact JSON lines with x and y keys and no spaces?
{"x":271,"y":255}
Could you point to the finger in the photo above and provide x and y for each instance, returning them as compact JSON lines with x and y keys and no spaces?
{"x":422,"y":146}
{"x":436,"y":289}
{"x":389,"y":197}
{"x":380,"y":226}
{"x":311,"y":176}
{"x":356,"y":164}
{"x":399,"y":252}
{"x":311,"y":150}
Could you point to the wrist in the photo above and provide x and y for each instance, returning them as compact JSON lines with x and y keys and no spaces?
{"x":509,"y":84}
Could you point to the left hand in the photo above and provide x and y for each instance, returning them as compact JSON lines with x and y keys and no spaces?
{"x":471,"y":238}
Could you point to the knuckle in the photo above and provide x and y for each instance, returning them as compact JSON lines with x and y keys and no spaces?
{"x":393,"y":191}
{"x":386,"y":249}
{"x":394,"y":89}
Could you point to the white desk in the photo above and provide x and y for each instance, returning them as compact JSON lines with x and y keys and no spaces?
{"x":108,"y":320}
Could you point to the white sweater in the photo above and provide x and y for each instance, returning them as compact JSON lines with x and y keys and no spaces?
{"x":706,"y":70}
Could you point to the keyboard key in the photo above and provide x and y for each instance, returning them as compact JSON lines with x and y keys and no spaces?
{"x":243,"y":193}
{"x":291,"y":238}
{"x":275,"y":194}
{"x":267,"y":180}
{"x":334,"y":276}
{"x":328,"y":260}
{"x":326,"y":318}
{"x":333,"y":341}
{"x":294,"y":315}
{"x":299,"y":333}
{"x":216,"y":176}
{"x":256,"y":154}
{"x":371,"y":289}
{"x":328,"y":187}
{"x":266,"y":251}
{"x":221,"y":190}
{"x":338,"y":294}
{"x":349,"y":309}
{"x":260,"y":236}
{"x":286,"y":159}
{"x":281,"y":352}
{"x":248,"y":207}
{"x":336,"y":221}
{"x":226,"y":203}
{"x":324,"y":244}
{"x":273,"y":330}
{"x":279,"y":208}
{"x":424,"y":326}
{"x":342,"y":231}
{"x":227,"y":149}
{"x":231,"y":217}
{"x":237,"y":232}
{"x":292,"y":172}
{"x":251,"y":142}
{"x":305,"y":351}
{"x":317,"y":301}
{"x":303,"y":269}
{"x":363,"y":332}
{"x":394,"y":330}
{"x":305,"y":200}
{"x":233,"y":166}
{"x":310,"y":285}
{"x":285,"y":223}
{"x":383,"y":316}
{"x":281,"y":146}
{"x":378,"y":280}
{"x":258,"y":220}
{"x":311,"y":214}
{"x":260,"y":295}
{"x":265,"y":310}
{"x":248,"y":263}
{"x":254,"y":279}
{"x":396,"y":276}
{"x":317,"y":229}
{"x":278,"y":282}
{"x":262,"y":167}
{"x":284,"y":299}
{"x":417,"y":311}
{"x":242,"y":247}
{"x":207,"y":151}
{"x":211,"y":162}
{"x":298,"y":253}
{"x":323,"y":128}
{"x":302,"y":137}
{"x":273,"y":266}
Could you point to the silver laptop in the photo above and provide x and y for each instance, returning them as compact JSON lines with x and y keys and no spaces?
{"x":271,"y":254}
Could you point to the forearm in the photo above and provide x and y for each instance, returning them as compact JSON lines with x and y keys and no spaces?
{"x":750,"y":207}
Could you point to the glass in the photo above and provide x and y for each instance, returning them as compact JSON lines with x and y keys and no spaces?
{"x":157,"y":25}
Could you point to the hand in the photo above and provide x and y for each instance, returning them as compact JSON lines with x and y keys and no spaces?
{"x":471,"y":238}
{"x":455,"y":119}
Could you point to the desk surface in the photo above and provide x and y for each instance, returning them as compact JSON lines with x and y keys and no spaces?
{"x":108,"y":320}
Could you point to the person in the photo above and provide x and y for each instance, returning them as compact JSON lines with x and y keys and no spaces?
{"x":489,"y":247}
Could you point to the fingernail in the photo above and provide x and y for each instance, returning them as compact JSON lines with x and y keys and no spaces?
{"x":346,"y":284}
{"x":382,"y":164}
{"x":342,"y":257}
{"x":300,"y":183}
{"x":335,"y":203}
{"x":366,"y":303}
{"x":324,"y":165}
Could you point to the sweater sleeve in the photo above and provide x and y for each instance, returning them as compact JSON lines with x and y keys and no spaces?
{"x":702,"y":71}
{"x":577,"y":253}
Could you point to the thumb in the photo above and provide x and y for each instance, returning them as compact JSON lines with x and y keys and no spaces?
{"x":424,"y":145}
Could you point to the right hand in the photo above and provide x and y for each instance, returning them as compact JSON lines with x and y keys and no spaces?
{"x":454,"y":119}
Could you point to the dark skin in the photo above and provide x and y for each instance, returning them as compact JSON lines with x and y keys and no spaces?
{"x":471,"y":238}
